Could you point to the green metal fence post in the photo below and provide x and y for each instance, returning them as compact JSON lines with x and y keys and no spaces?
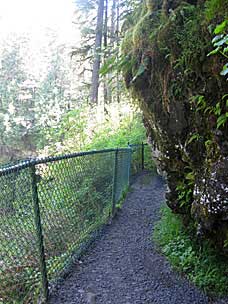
{"x":142,"y":156}
{"x":39,"y":234}
{"x":129,"y":164}
{"x":114,"y":182}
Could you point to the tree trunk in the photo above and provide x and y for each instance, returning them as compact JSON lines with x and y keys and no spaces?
{"x":97,"y":51}
{"x":112,"y":46}
{"x":113,"y":23}
{"x":118,"y":91}
{"x":106,"y":54}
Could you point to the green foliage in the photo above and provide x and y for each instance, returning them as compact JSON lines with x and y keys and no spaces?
{"x":220,"y":43}
{"x":71,"y":130}
{"x":185,"y":194}
{"x":84,"y":129}
{"x":179,"y":38}
{"x":193,"y":137}
{"x":200,"y":103}
{"x":130,"y":130}
{"x":188,"y":38}
{"x":219,"y":110}
{"x":139,"y":38}
{"x":201,"y":264}
{"x":185,"y":188}
{"x":30,"y":103}
{"x":215,"y":8}
{"x":222,"y":120}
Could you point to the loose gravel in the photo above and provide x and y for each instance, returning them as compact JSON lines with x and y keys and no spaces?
{"x":123,"y":266}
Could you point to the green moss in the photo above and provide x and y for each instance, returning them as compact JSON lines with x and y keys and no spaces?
{"x":181,"y":40}
{"x":141,"y":31}
{"x":178,"y":37}
{"x":139,"y":39}
{"x":168,"y":65}
{"x":144,"y":30}
{"x":126,"y":46}
{"x":182,"y":36}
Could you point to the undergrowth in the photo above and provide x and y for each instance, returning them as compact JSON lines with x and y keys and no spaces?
{"x":130,"y":129}
{"x":202,"y":264}
{"x":86,"y":129}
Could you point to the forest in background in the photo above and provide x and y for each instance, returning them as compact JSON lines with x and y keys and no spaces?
{"x":58,"y":96}
{"x":173,"y":56}
{"x":61,"y":96}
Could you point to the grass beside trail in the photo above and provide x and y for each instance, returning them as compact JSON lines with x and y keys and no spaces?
{"x":202,"y":264}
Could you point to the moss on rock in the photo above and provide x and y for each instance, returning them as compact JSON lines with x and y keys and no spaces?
{"x":176,"y":84}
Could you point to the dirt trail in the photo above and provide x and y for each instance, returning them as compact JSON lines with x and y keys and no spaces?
{"x":123,"y":266}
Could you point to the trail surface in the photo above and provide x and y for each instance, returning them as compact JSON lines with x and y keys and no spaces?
{"x":123,"y":266}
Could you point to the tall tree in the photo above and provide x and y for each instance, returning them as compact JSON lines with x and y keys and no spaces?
{"x":118,"y":92}
{"x":97,"y":53}
{"x":106,"y":53}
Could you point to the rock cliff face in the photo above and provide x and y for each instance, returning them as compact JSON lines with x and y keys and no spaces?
{"x":179,"y":88}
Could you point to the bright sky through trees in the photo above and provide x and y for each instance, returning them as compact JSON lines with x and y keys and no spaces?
{"x":44,"y":23}
{"x":35,"y":15}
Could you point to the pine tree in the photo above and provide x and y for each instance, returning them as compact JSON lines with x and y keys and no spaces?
{"x":97,"y":53}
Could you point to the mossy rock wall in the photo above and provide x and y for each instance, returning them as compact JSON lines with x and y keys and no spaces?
{"x":170,"y":76}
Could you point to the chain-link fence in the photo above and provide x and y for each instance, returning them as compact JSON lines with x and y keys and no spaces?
{"x":50,"y":208}
{"x":141,"y":158}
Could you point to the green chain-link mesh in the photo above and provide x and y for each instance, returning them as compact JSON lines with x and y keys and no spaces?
{"x":50,"y":208}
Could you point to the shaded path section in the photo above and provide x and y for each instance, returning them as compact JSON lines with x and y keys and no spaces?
{"x":123,"y":266}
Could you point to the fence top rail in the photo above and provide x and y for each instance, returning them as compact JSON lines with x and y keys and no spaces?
{"x":137,"y":145}
{"x":43,"y":160}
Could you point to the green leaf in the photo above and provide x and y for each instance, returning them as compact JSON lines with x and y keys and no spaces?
{"x":140,"y":71}
{"x":190,"y":176}
{"x":201,"y":103}
{"x":220,"y":27}
{"x":218,"y":37}
{"x":195,"y":136}
{"x":208,"y":143}
{"x":208,"y":109}
{"x":224,"y":97}
{"x":226,"y":244}
{"x":221,"y":42}
{"x":217,"y":109}
{"x":188,"y":195}
{"x":224,"y":71}
{"x":215,"y":51}
{"x":108,"y":66}
{"x":181,"y":195}
{"x":221,"y":120}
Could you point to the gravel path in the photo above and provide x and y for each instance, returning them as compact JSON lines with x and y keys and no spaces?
{"x":123,"y":266}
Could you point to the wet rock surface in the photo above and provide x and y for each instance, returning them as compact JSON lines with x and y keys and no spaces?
{"x":124,"y":266}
